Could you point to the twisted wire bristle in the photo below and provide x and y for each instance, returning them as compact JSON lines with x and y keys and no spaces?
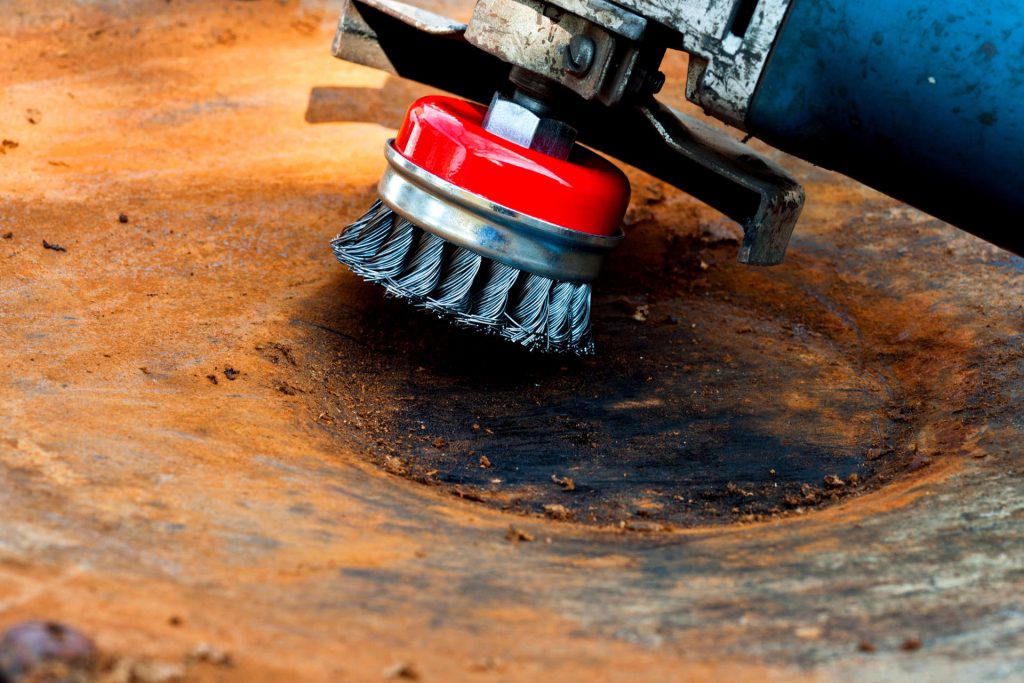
{"x":465,"y":287}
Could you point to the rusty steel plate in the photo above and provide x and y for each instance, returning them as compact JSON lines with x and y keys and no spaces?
{"x":214,"y":439}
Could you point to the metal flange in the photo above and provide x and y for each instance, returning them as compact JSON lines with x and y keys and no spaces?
{"x":489,"y":229}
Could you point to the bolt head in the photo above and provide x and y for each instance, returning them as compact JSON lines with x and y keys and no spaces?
{"x":579,"y":55}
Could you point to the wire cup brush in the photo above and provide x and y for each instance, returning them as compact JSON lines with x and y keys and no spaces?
{"x":493,"y":219}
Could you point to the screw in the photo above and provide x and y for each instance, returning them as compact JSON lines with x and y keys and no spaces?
{"x":646,"y":83}
{"x":579,"y":55}
{"x":656,"y":82}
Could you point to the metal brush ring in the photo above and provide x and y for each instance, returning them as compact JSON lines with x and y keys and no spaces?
{"x":489,"y":229}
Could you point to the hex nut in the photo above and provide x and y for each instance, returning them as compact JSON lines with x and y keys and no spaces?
{"x":516,"y":123}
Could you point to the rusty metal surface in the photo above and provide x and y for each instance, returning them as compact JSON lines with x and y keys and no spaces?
{"x":155,"y":508}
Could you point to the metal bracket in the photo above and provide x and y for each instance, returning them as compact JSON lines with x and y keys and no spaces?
{"x":698,"y":159}
{"x":728,"y":42}
{"x":573,"y":48}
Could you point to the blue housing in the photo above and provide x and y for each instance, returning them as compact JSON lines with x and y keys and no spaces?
{"x":922,"y":100}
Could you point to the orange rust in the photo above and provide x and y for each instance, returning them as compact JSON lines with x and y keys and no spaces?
{"x":137,"y":490}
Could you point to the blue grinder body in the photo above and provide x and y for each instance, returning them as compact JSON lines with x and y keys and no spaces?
{"x":922,"y":100}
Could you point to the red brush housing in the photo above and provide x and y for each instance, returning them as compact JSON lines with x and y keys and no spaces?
{"x":445,"y":136}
